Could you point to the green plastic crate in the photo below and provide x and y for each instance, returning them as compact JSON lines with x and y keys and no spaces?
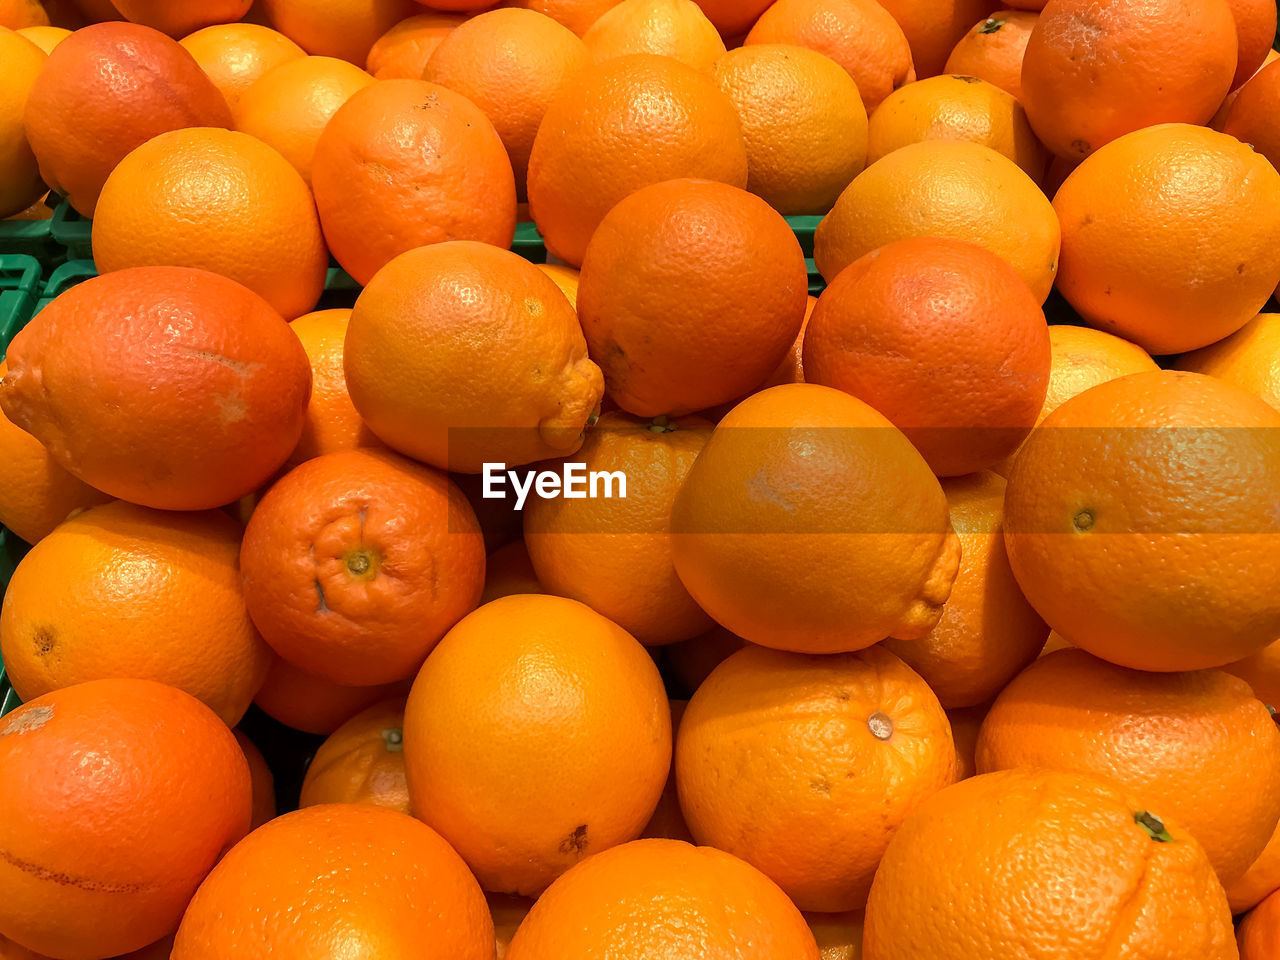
{"x":72,"y":232}
{"x":32,"y":237}
{"x":19,"y":287}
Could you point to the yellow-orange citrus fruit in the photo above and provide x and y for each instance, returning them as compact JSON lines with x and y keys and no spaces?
{"x":180,"y":19}
{"x":46,"y":38}
{"x":361,"y":762}
{"x":346,"y":29}
{"x":992,"y":50}
{"x":566,"y":278}
{"x":20,"y":183}
{"x":1251,"y":118}
{"x":403,"y":51}
{"x":577,"y":15}
{"x":668,"y":28}
{"x":1261,"y":671}
{"x":236,"y":55}
{"x":1255,"y":32}
{"x":1259,"y":933}
{"x":1249,"y":358}
{"x":1258,"y":882}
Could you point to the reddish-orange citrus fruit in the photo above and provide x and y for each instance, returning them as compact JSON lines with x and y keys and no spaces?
{"x":805,"y":766}
{"x":119,"y":796}
{"x":20,"y":183}
{"x":1133,"y":547}
{"x":312,"y":704}
{"x":403,"y":51}
{"x":444,"y":175}
{"x":355,"y":564}
{"x":15,"y":14}
{"x":178,"y":617}
{"x":362,"y":761}
{"x":691,"y":292}
{"x":1247,"y":358}
{"x":509,"y":571}
{"x":166,"y":386}
{"x":1252,"y":117}
{"x":538,"y":733}
{"x":614,"y":553}
{"x":262,"y":780}
{"x":859,"y":35}
{"x":1170,"y":237}
{"x":346,"y":29}
{"x":824,"y":553}
{"x":584,"y":158}
{"x":1224,"y":109}
{"x":289,"y":891}
{"x":577,"y":15}
{"x":668,"y":28}
{"x":1261,"y":671}
{"x":1095,"y":70}
{"x":108,"y":89}
{"x":511,"y":64}
{"x":944,"y":339}
{"x":654,"y":899}
{"x":1049,"y":865}
{"x":459,"y":354}
{"x":1258,"y":882}
{"x":1259,"y":934}
{"x":1256,"y":32}
{"x":993,"y":49}
{"x":933,"y":27}
{"x":180,"y":19}
{"x":236,"y":55}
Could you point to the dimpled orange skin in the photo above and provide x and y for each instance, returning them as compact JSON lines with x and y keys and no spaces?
{"x":106,"y":90}
{"x":338,"y":584}
{"x":336,"y":877}
{"x":184,"y":421}
{"x":950,"y":107}
{"x":857,"y":34}
{"x":660,"y":899}
{"x":1251,"y":118}
{"x":628,"y":123}
{"x":613,"y":554}
{"x":511,"y":64}
{"x":1095,"y":70}
{"x":1259,"y":933}
{"x":1198,"y":746}
{"x":346,"y":29}
{"x":993,"y":50}
{"x":988,"y":631}
{"x":236,"y":55}
{"x":460,"y":353}
{"x":120,"y":795}
{"x":944,"y":188}
{"x":219,"y":200}
{"x":1170,"y":237}
{"x":804,"y":124}
{"x":139,"y":593}
{"x":805,"y":766}
{"x":362,"y":761}
{"x":944,"y":339}
{"x":1035,"y":863}
{"x":537,"y":734}
{"x":668,"y":28}
{"x":1145,"y":535}
{"x":1248,"y":358}
{"x":933,"y":27}
{"x":312,"y":704}
{"x":20,"y":183}
{"x":690,"y":295}
{"x":405,"y":163}
{"x":180,"y":19}
{"x":875,"y":555}
{"x":403,"y":51}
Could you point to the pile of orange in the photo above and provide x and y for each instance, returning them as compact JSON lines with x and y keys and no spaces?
{"x":575,"y":479}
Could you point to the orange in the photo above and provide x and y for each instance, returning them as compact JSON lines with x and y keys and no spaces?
{"x":219,"y":200}
{"x":119,"y":796}
{"x":655,"y":899}
{"x":403,"y":51}
{"x":156,"y":951}
{"x":180,"y":19}
{"x":944,"y":339}
{"x":669,"y":28}
{"x":444,"y":175}
{"x":1198,"y":745}
{"x":332,"y":424}
{"x":1169,"y":237}
{"x":966,"y":722}
{"x":71,"y":615}
{"x":859,"y":35}
{"x":508,"y":913}
{"x":667,"y":821}
{"x":934,"y":27}
{"x":1251,"y":118}
{"x":614,"y":555}
{"x":1258,"y":882}
{"x":20,"y":184}
{"x":35,"y":493}
{"x":108,"y":89}
{"x":1049,"y":865}
{"x":688,"y":664}
{"x":346,"y":29}
{"x":1224,"y":109}
{"x":824,"y":553}
{"x":263,"y":783}
{"x":733,"y":18}
{"x":236,"y":55}
{"x":993,"y":49}
{"x":805,"y":766}
{"x":566,"y":278}
{"x":804,"y":124}
{"x":1095,"y":70}
{"x":362,"y":761}
{"x":1255,"y":32}
{"x":314,"y":705}
{"x":604,"y":138}
{"x":283,"y":892}
{"x":839,"y":935}
{"x":537,"y":734}
{"x":459,"y":354}
{"x":508,"y":571}
{"x":289,"y":106}
{"x":1247,"y":358}
{"x":166,"y":386}
{"x":988,"y":631}
{"x":511,"y":64}
{"x":691,"y":293}
{"x":944,"y":188}
{"x":15,"y":14}
{"x":950,"y":107}
{"x":46,"y":38}
{"x":577,"y":15}
{"x":1134,"y":547}
{"x":1259,"y":932}
{"x":355,"y":564}
{"x":1261,"y":670}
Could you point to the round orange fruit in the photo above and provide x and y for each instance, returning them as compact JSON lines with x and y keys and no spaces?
{"x":1261,"y":671}
{"x":933,"y":27}
{"x":1251,"y":118}
{"x":362,"y":761}
{"x":312,"y":704}
{"x":1258,"y":882}
{"x":577,"y":15}
{"x":180,"y":19}
{"x":46,"y":38}
{"x":1247,"y":358}
{"x":20,"y":183}
{"x":668,"y":28}
{"x":236,"y":55}
{"x":1259,"y":933}
{"x":1255,"y":33}
{"x":15,"y":14}
{"x":346,"y":29}
{"x":993,"y":49}
{"x":403,"y":51}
